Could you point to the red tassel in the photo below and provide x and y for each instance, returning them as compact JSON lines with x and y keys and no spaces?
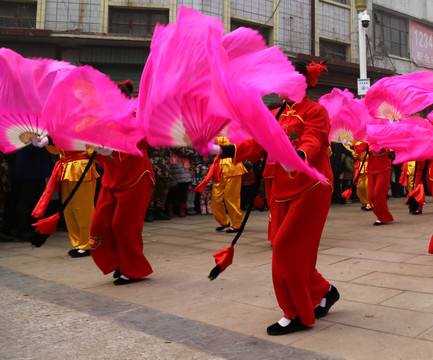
{"x":347,"y":194}
{"x":258,"y":202}
{"x":430,"y":247}
{"x":418,"y":194}
{"x":224,"y":257}
{"x":47,"y":225}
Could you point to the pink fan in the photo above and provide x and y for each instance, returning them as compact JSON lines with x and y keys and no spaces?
{"x":170,"y":85}
{"x":235,"y":133}
{"x":266,"y":131}
{"x":341,"y":127}
{"x":24,"y":87}
{"x":18,"y":128}
{"x":394,"y":98}
{"x":390,"y":102}
{"x":176,"y":89}
{"x":245,"y":103}
{"x":86,"y":108}
{"x":335,"y":101}
{"x":411,"y":138}
{"x":348,"y":116}
{"x":250,"y":61}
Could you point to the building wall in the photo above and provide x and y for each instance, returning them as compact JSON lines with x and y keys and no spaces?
{"x":295,"y":30}
{"x":335,"y":21}
{"x":422,"y":9}
{"x":72,"y":15}
{"x":259,"y":10}
{"x":297,"y":25}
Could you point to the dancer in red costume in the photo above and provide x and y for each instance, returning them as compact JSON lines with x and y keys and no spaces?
{"x":299,"y":210}
{"x":378,"y":174}
{"x":415,"y":184}
{"x":116,"y":231}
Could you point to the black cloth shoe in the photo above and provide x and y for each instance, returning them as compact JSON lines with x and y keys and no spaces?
{"x":78,"y":254}
{"x":222,"y":227}
{"x":160,"y":215}
{"x":122,"y":281}
{"x":378,"y":223}
{"x":331,"y":297}
{"x":71,"y":252}
{"x":116,"y":274}
{"x":191,"y":212}
{"x":232,"y":231}
{"x":295,"y":325}
{"x":416,"y":212}
{"x":150,"y":216}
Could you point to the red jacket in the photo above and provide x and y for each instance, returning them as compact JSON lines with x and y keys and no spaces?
{"x":307,"y":125}
{"x":378,"y":161}
{"x":124,"y":170}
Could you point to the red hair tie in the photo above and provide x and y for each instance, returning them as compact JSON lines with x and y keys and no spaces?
{"x":314,"y":70}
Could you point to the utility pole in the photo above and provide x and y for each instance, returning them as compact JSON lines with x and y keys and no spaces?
{"x":363,"y":23}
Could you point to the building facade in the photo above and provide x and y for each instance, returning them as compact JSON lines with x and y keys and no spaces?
{"x":114,"y":35}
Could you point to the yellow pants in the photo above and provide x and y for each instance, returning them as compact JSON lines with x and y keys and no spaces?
{"x":79,"y":211}
{"x":362,"y":190}
{"x":409,"y":186}
{"x":227,"y":195}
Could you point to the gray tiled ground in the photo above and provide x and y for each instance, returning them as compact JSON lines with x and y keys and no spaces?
{"x":55,"y":307}
{"x":42,"y":319}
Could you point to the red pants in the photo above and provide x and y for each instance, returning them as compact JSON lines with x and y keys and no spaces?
{"x":378,"y":186}
{"x":271,"y":204}
{"x":116,"y":231}
{"x":299,"y":287}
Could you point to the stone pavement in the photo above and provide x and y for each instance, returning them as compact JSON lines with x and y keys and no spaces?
{"x":55,"y":307}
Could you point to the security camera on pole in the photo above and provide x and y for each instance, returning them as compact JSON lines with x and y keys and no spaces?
{"x":363,"y":23}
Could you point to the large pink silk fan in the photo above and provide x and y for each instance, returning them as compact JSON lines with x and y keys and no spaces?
{"x":24,"y":87}
{"x":176,"y":88}
{"x":179,"y":97}
{"x":244,"y":102}
{"x":347,"y":116}
{"x":86,"y":108}
{"x":392,"y":99}
{"x":392,"y":102}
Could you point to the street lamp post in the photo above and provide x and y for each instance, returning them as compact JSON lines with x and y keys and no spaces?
{"x":363,"y":23}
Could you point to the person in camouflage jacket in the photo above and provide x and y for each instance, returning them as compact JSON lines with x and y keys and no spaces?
{"x":160,"y":160}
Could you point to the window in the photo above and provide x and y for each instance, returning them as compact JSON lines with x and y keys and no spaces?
{"x":18,"y":15}
{"x":135,"y":21}
{"x":333,"y":50}
{"x":341,"y":1}
{"x":391,"y":34}
{"x":264,"y":31}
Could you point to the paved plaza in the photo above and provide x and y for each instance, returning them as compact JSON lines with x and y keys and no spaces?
{"x":56,"y":307}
